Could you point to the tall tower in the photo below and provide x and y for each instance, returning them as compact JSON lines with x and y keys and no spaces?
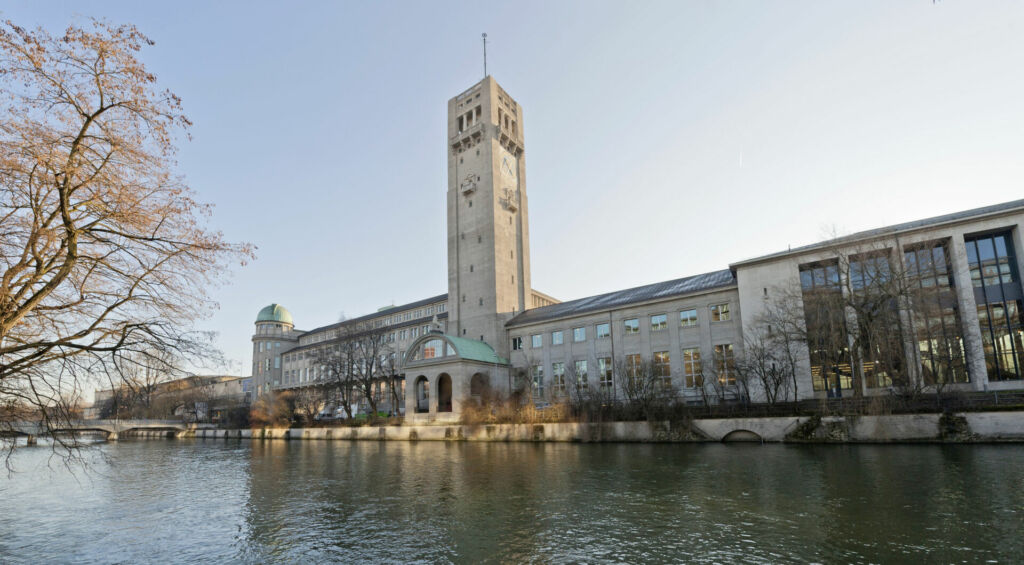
{"x":488,"y":231}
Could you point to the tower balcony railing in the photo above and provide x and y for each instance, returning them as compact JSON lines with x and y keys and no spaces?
{"x":467,"y":134}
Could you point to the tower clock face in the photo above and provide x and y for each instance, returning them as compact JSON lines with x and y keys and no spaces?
{"x":508,"y":165}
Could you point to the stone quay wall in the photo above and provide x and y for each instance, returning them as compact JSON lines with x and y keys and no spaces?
{"x":969,"y":427}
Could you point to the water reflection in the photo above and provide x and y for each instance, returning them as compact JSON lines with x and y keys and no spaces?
{"x":278,"y":501}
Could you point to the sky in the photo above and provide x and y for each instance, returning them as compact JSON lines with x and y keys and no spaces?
{"x":663,"y":139}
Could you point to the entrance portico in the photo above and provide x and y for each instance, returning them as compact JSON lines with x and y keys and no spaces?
{"x":443,"y":371}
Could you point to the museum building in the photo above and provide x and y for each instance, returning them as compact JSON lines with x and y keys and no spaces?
{"x":493,"y":332}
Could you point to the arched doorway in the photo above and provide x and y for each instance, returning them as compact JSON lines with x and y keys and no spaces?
{"x":478,"y":385}
{"x":444,"y":393}
{"x":422,"y":395}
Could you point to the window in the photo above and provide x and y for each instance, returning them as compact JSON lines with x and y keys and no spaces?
{"x":581,"y":373}
{"x":634,"y":364}
{"x":878,"y":328}
{"x":688,"y":318}
{"x":604,"y":373}
{"x":935,"y":313}
{"x":536,"y":341}
{"x":997,"y":292}
{"x":662,"y":366}
{"x":261,"y":347}
{"x":538,"y":381}
{"x":659,"y":322}
{"x":826,"y":327}
{"x":720,"y":313}
{"x":579,"y":334}
{"x":603,"y":331}
{"x":517,"y":343}
{"x":725,"y":364}
{"x":631,"y":326}
{"x":558,"y":377}
{"x":556,"y":338}
{"x":277,"y":361}
{"x":692,"y":368}
{"x":433,"y":348}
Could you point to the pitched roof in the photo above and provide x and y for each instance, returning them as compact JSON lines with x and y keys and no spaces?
{"x":666,"y":289}
{"x":382,"y":313}
{"x":887,"y":230}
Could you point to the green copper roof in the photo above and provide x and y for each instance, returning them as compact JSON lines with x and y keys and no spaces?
{"x":275,"y":313}
{"x":474,"y":350}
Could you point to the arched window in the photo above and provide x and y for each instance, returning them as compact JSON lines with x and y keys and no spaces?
{"x":432,"y":349}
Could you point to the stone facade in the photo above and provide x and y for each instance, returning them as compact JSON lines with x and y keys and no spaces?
{"x":492,"y":328}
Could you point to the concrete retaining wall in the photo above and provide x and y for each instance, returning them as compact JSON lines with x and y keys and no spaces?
{"x":970,"y":427}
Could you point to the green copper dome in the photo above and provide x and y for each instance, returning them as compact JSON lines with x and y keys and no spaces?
{"x":275,"y":313}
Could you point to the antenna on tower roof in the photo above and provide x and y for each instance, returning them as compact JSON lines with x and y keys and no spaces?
{"x":484,"y":35}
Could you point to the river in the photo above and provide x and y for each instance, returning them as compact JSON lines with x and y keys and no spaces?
{"x":217,"y":501}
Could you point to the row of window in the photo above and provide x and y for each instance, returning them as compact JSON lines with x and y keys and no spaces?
{"x":659,"y":322}
{"x":661,"y":368}
{"x":261,"y":346}
{"x":265,"y":328}
{"x":411,"y":315}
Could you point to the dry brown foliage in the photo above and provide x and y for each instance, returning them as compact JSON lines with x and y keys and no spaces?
{"x":105,"y":258}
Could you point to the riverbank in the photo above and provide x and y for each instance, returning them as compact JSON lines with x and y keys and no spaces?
{"x":968,"y":427}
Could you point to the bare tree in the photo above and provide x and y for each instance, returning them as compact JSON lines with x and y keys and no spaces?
{"x":767,"y":363}
{"x":359,"y":362}
{"x":102,"y":248}
{"x":309,"y":401}
{"x":137,"y":376}
{"x":641,"y":385}
{"x":335,"y":360}
{"x":863,"y":311}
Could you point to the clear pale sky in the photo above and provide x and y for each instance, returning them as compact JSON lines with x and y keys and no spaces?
{"x":663,"y":139}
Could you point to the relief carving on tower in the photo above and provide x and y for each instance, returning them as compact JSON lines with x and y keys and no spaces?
{"x":510,"y":199}
{"x":469,"y":184}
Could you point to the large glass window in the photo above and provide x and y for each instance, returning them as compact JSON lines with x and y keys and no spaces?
{"x":826,"y":326}
{"x":634,"y":363}
{"x":579,"y":334}
{"x":558,"y":377}
{"x":603,"y":330}
{"x":581,"y":373}
{"x":604,"y":370}
{"x":998,"y":294}
{"x":517,"y":343}
{"x":631,"y":326}
{"x":663,"y":368}
{"x":433,"y":348}
{"x":691,"y":367}
{"x":992,"y":260}
{"x":538,"y":381}
{"x":1003,"y":339}
{"x":720,"y":313}
{"x":536,"y":341}
{"x":556,"y":338}
{"x":688,"y":318}
{"x":725,"y":364}
{"x":875,"y":301}
{"x":659,"y":322}
{"x":935,"y":313}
